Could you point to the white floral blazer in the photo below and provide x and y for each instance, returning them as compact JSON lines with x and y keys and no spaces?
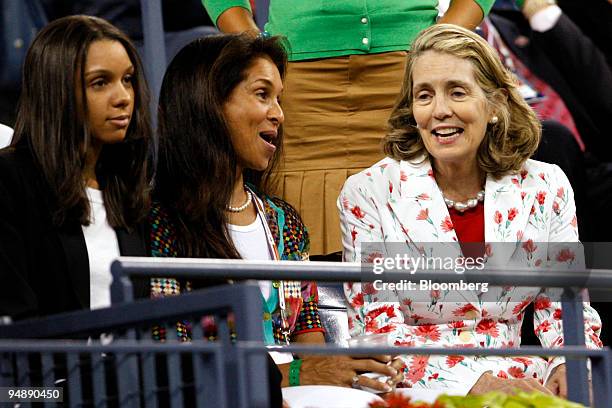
{"x":400,"y":202}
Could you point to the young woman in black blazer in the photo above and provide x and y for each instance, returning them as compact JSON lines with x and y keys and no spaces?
{"x":74,"y":181}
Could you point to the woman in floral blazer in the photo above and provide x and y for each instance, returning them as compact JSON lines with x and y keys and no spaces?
{"x":461,"y":127}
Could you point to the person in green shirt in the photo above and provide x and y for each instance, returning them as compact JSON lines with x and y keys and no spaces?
{"x":347,"y":59}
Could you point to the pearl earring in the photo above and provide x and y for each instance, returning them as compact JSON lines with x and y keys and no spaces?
{"x":494,"y":120}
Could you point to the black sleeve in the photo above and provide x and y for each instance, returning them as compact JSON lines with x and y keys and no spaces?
{"x":581,"y":63}
{"x":134,"y":243}
{"x":591,"y":17}
{"x":18,"y":298}
{"x":275,"y":379}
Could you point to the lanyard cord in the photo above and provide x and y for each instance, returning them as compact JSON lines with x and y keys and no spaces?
{"x":278,"y":285}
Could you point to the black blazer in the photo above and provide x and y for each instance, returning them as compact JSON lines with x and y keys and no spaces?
{"x":573,"y":66}
{"x":44,"y":269}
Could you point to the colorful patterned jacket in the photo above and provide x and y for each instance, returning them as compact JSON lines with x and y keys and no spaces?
{"x":291,"y":238}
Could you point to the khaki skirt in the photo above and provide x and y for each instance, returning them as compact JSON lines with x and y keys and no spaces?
{"x":336,"y":112}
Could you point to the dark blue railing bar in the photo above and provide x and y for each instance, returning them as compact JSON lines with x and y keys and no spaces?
{"x":345,"y":272}
{"x":207,"y":371}
{"x":149,"y":346}
{"x":173,"y":368}
{"x":24,"y":367}
{"x":7,"y":377}
{"x":98,"y":380}
{"x":74,"y":379}
{"x":244,"y":309}
{"x":116,"y":346}
{"x":48,"y":376}
{"x":174,"y":377}
{"x":573,"y":335}
{"x":222,"y":385}
{"x":127,"y":374}
{"x":318,"y":349}
{"x":602,"y":380}
{"x":237,"y":298}
{"x":243,"y":378}
{"x":148,"y":380}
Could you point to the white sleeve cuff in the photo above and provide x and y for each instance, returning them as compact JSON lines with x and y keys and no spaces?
{"x":557,"y":361}
{"x":552,"y":364}
{"x":545,"y":19}
{"x":468,"y":381}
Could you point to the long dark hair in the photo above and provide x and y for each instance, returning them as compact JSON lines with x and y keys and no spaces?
{"x":197,"y":163}
{"x":51,"y":127}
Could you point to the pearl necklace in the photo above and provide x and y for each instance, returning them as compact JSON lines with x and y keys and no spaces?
{"x":243,"y":206}
{"x":461,"y":206}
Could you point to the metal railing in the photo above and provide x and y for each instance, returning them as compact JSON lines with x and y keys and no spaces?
{"x":224,"y":373}
{"x":133,"y":369}
{"x":572,"y":282}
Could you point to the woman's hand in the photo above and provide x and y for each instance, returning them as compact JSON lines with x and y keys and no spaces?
{"x":557,"y":382}
{"x":488,"y":382}
{"x":341,"y":370}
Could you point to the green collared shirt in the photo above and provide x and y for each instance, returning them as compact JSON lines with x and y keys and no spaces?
{"x":332,"y":28}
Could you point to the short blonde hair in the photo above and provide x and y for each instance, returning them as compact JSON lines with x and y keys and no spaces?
{"x":507,"y":143}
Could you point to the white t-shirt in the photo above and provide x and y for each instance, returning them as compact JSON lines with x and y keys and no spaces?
{"x":102,"y":249}
{"x":252,"y":243}
{"x":6,"y":134}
